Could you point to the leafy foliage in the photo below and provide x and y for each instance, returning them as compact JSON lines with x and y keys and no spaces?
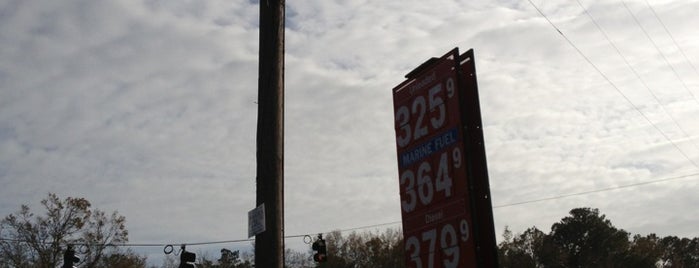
{"x":365,"y":250}
{"x":31,"y":240}
{"x":123,"y":260}
{"x":523,"y":250}
{"x":382,"y":250}
{"x":586,"y":238}
{"x":228,"y":259}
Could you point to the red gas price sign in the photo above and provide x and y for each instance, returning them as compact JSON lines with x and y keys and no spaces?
{"x":432,"y":169}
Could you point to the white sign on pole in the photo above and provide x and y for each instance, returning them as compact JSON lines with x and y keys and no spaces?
{"x":256,"y":221}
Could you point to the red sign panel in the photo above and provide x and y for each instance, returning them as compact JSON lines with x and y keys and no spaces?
{"x":437,"y":223}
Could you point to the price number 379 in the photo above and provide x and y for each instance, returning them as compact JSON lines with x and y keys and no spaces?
{"x":448,"y":240}
{"x":431,"y":106}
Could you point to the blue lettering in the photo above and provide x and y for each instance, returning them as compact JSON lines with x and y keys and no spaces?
{"x":429,"y":147}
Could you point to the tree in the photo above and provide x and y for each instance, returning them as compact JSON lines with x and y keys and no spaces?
{"x":588,"y":239}
{"x":644,"y":251}
{"x":39,"y":240}
{"x":295,"y":259}
{"x":170,"y":261}
{"x":523,"y":250}
{"x":228,"y":259}
{"x":365,"y":250}
{"x":126,"y":259}
{"x":680,"y":252}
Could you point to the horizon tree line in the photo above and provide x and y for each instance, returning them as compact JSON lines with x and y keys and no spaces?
{"x":583,"y":238}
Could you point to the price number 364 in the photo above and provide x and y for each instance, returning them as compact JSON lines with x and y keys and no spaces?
{"x":419,"y":186}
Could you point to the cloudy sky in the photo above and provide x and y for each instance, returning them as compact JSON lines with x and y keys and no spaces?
{"x":149,"y":108}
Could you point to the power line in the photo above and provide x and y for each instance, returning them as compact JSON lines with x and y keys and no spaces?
{"x":199,"y":243}
{"x":136,"y":244}
{"x":613,"y":85}
{"x":596,"y":190}
{"x":672,"y":37}
{"x":382,"y":224}
{"x":643,"y":29}
{"x":367,"y":226}
{"x":552,"y":197}
{"x":638,"y":76}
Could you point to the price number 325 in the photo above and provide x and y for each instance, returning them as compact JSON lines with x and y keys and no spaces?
{"x":429,"y":112}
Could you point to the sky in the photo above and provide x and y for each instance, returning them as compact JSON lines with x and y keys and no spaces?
{"x":149,"y":108}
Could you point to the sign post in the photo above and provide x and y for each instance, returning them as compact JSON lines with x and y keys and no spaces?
{"x":436,"y":158}
{"x":256,"y":221}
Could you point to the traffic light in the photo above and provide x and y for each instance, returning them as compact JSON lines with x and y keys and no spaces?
{"x":186,"y":259}
{"x":69,"y":257}
{"x":319,"y":245}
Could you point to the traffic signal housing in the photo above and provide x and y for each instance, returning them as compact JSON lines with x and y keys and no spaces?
{"x":187,"y":258}
{"x":322,"y":251}
{"x":69,"y":258}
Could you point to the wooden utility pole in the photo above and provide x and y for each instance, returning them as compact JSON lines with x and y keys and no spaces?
{"x":269,"y":245}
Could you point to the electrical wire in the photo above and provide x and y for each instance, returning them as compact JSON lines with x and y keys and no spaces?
{"x":638,"y":76}
{"x":672,"y":38}
{"x":201,"y":243}
{"x":509,"y":204}
{"x":614,"y":85}
{"x":696,"y":175}
{"x":597,"y":190}
{"x":635,"y":19}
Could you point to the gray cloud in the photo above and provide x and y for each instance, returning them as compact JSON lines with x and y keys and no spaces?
{"x":149,"y":108}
